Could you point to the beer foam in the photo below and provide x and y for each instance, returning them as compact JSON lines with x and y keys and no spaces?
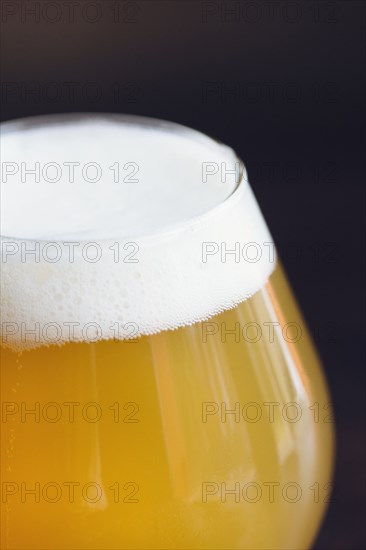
{"x":119,"y":226}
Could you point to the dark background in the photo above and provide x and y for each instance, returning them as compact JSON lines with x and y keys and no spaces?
{"x":281,"y":82}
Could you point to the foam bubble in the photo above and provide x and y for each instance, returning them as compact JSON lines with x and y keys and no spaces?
{"x":135,"y":243}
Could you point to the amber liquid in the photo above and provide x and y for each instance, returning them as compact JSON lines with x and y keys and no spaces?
{"x":194,"y":438}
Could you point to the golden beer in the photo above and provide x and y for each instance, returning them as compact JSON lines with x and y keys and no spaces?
{"x":214,"y":433}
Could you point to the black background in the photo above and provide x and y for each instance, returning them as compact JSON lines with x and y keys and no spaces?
{"x":281,"y":82}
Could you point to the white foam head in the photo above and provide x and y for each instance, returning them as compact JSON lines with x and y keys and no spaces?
{"x":116,"y":226}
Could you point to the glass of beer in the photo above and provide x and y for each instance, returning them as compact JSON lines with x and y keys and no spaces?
{"x":159,"y":386}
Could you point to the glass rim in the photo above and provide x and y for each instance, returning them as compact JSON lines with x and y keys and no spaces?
{"x":24,"y":123}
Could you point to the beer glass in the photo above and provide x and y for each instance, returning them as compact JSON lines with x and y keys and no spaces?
{"x":159,"y":386}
